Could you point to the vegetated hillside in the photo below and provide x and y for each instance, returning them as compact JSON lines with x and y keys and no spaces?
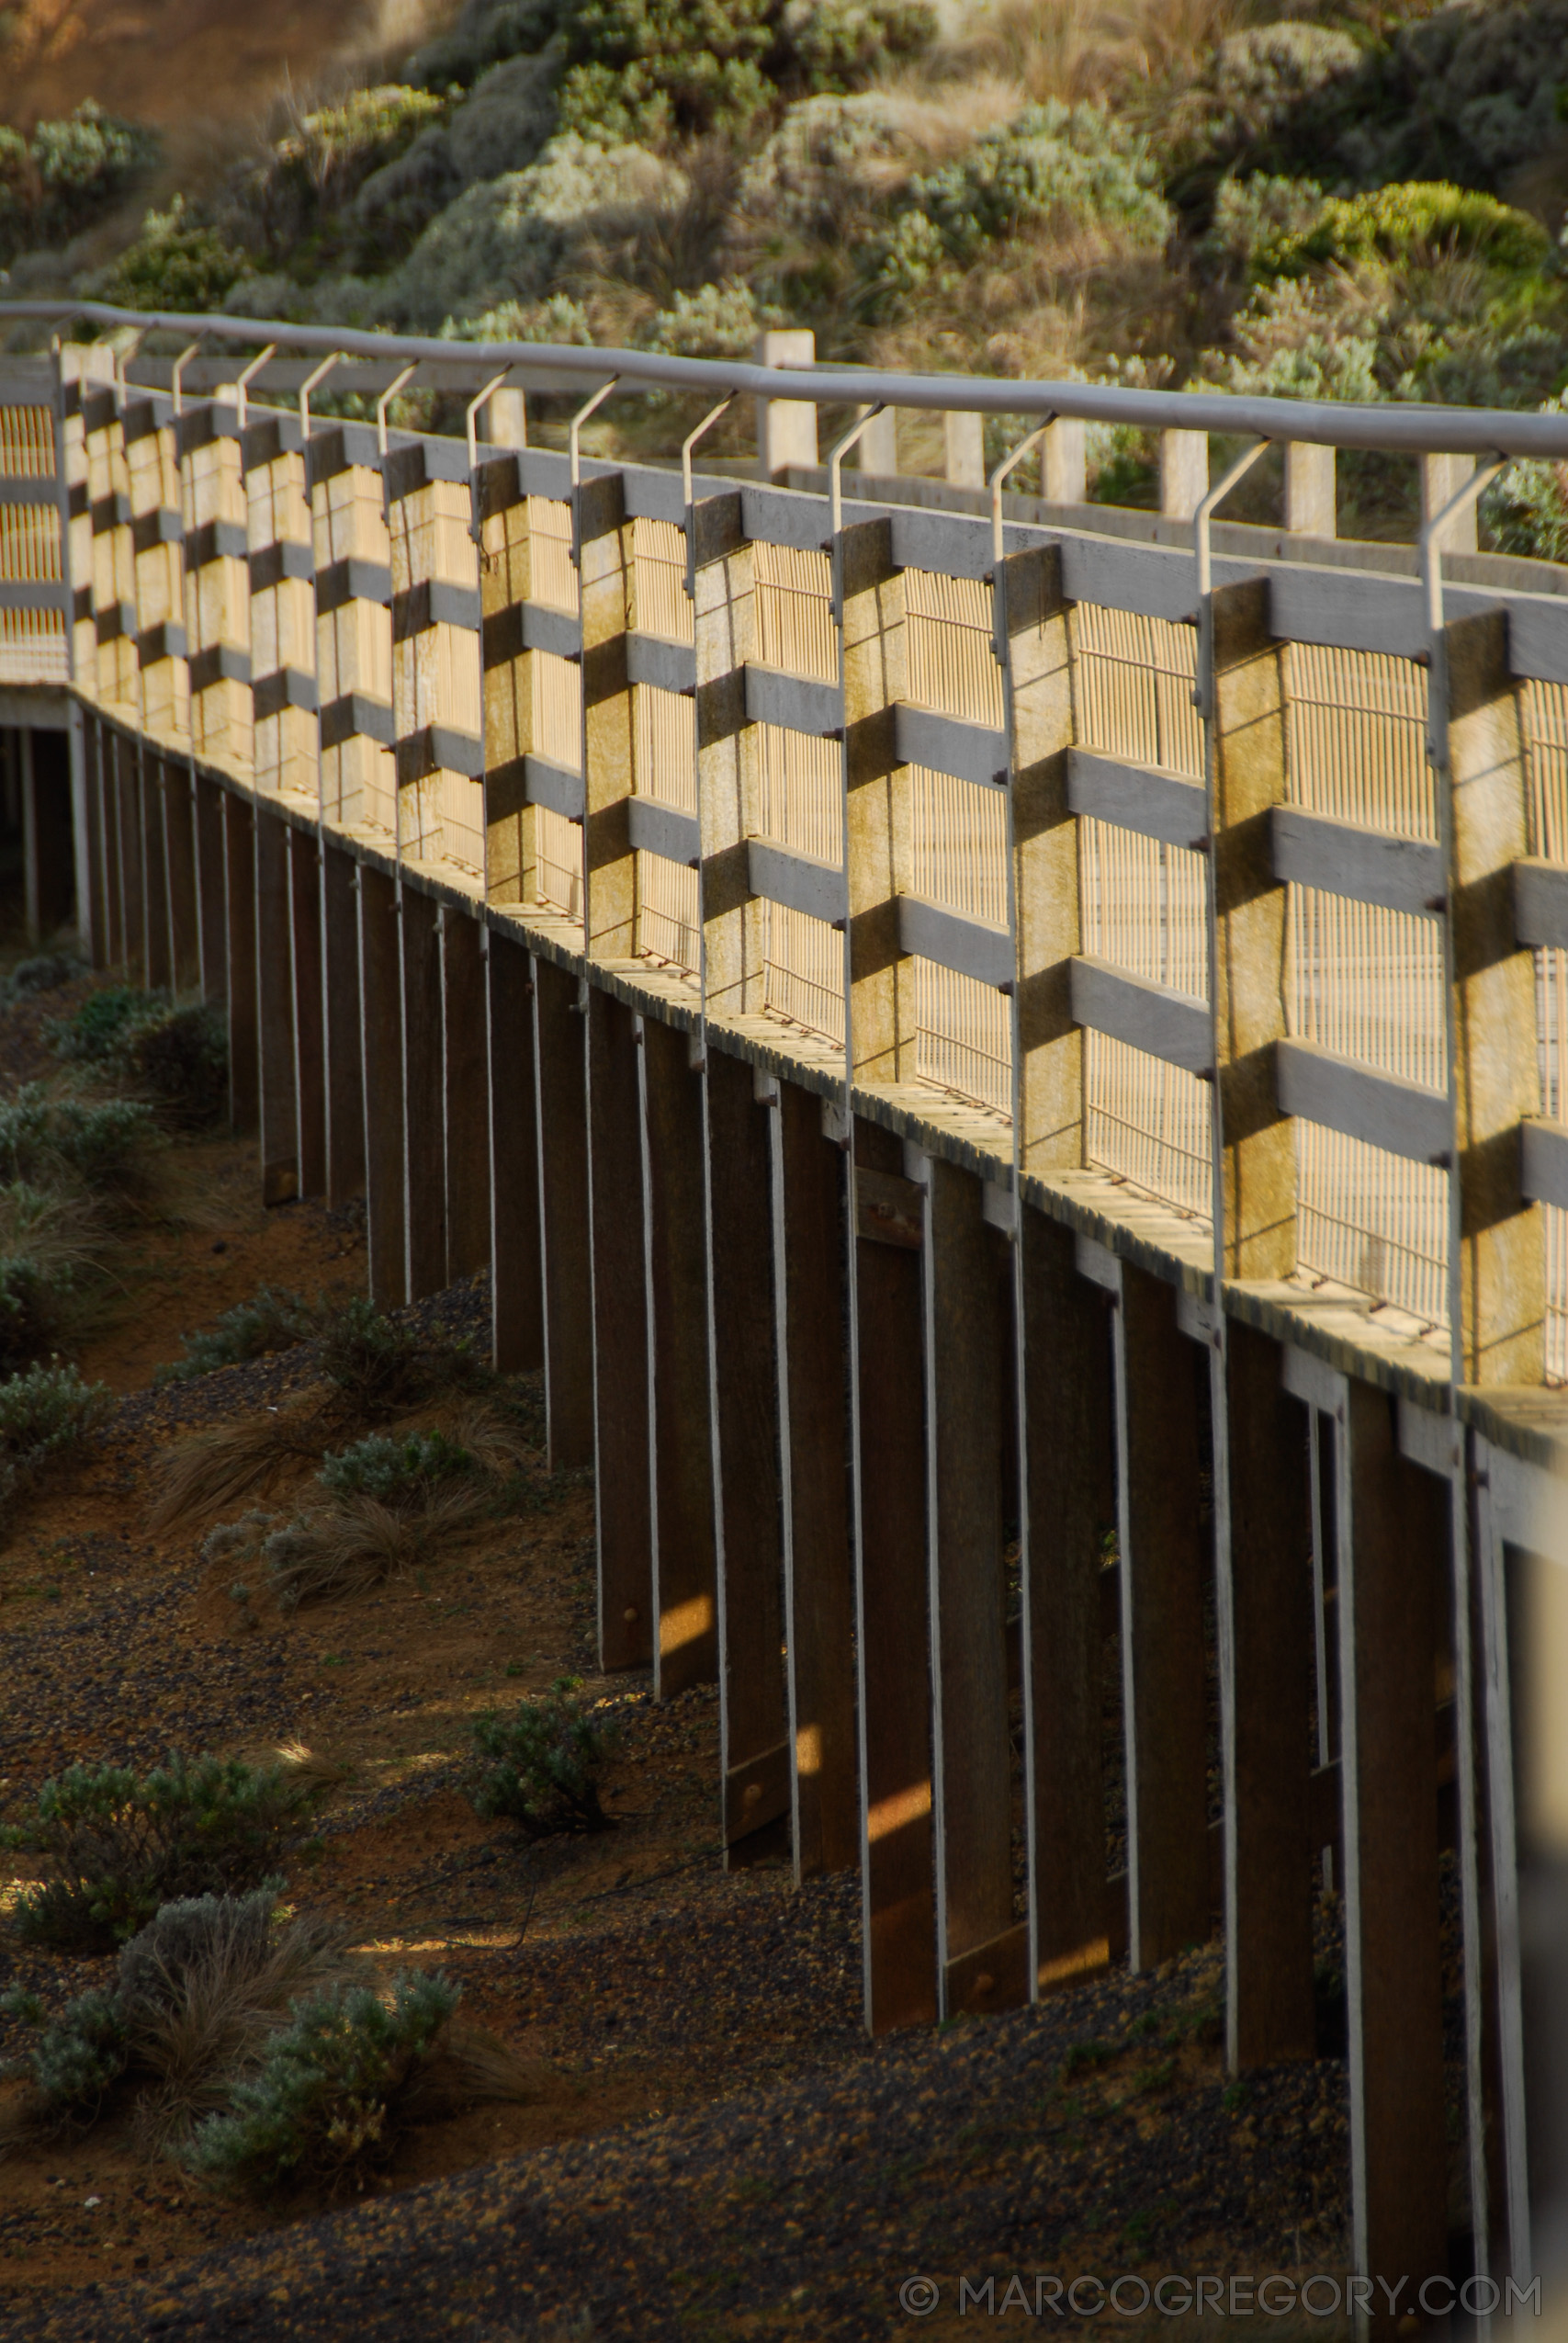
{"x":1358,"y":201}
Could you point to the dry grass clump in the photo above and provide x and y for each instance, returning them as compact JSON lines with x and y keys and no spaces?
{"x":225,"y":1465}
{"x":353,"y":1544}
{"x":1083,"y":51}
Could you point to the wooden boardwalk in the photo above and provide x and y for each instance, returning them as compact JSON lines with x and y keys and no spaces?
{"x":830,"y":975}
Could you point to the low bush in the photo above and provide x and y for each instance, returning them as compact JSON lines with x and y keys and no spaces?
{"x":45,"y":973}
{"x":177,"y":1056}
{"x":106,"y":1142}
{"x":373,"y":1364}
{"x":355,"y":1544}
{"x":116,"y":1846}
{"x":45,"y":1415}
{"x":540,"y":1767}
{"x":270,"y":1321}
{"x":325,"y":2099}
{"x":400,"y":1473}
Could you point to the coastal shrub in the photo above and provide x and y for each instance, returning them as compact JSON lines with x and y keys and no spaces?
{"x":1258,"y":80}
{"x":324,"y":2101}
{"x":178,"y":262}
{"x":401,"y":1474}
{"x":1256,"y":216}
{"x":79,"y":2056}
{"x":1056,"y":169}
{"x":106,"y":1141}
{"x":1394,"y":223}
{"x":1467,"y":90}
{"x":372,"y":1363}
{"x":540,"y":1767}
{"x":268,"y":1321}
{"x":46,"y":1412}
{"x":68,"y":174}
{"x":116,"y":1845}
{"x":44,"y":972}
{"x":28,"y":1312}
{"x":177,"y":1055}
{"x":482,"y":34}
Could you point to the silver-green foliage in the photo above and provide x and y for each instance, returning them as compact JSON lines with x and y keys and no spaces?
{"x":1054,"y":167}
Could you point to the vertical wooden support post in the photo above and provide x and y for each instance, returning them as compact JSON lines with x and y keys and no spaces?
{"x":1392,"y":1540}
{"x":1064,"y":463}
{"x":51,"y":835}
{"x":1268,"y":1850}
{"x":112,"y":846}
{"x":310,"y":1040}
{"x":1249,"y":740}
{"x":786,"y":428}
{"x":212,"y":893}
{"x":133,"y":896}
{"x":876,"y":450}
{"x":95,"y":916}
{"x":1311,"y":504}
{"x":517,"y":1299}
{"x":684,"y":1566}
{"x":22,"y":768}
{"x":159,"y":945}
{"x":878,"y":843}
{"x":239,"y":889}
{"x":1158,"y":1501}
{"x":425,"y":1152}
{"x":963,"y":448}
{"x":752,"y":1729}
{"x":809,"y":1305}
{"x":179,"y":851}
{"x":1045,"y":853}
{"x":982,"y":1955}
{"x":621,"y":1396}
{"x":897,"y":1896}
{"x":603,"y":536}
{"x":559,"y":1059}
{"x":381,"y":1083}
{"x":275,"y":1013}
{"x":1442,"y":476}
{"x":1183,"y":473}
{"x":343,"y":1071}
{"x":1070,"y":1486}
{"x":466,"y":1082}
{"x":1502,"y":1237}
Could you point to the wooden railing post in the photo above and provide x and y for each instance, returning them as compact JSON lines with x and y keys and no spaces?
{"x":1064,"y":463}
{"x":1310,"y":502}
{"x":964,"y":446}
{"x":809,"y":1190}
{"x":1183,"y":473}
{"x":754,"y":1746}
{"x":786,"y":428}
{"x":1441,"y":478}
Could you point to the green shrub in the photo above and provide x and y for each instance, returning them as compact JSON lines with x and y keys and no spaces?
{"x":268,"y":1321}
{"x":45,"y":973}
{"x":67,"y":174}
{"x":179,"y":1054}
{"x":45,"y":1414}
{"x":106,"y":1141}
{"x":176,"y":262}
{"x":401,"y":1474}
{"x":1054,"y":168}
{"x":116,"y":1846}
{"x":81,"y":2054}
{"x":373,"y":1363}
{"x":540,"y":1767}
{"x":323,"y":2103}
{"x":28,"y":1313}
{"x":1396,"y":223}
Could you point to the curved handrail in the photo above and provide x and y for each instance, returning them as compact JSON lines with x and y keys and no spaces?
{"x":1397,"y":427}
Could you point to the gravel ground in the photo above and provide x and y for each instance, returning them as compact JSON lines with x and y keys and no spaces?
{"x":1095,"y":2133}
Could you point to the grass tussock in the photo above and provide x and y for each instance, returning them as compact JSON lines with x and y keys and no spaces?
{"x":226,"y":1464}
{"x":258,"y":2049}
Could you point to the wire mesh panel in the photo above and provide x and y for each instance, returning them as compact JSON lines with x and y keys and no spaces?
{"x":665,"y":747}
{"x":1363,"y":981}
{"x":32,"y":642}
{"x":552,"y":576}
{"x":558,"y":848}
{"x":951,"y":662}
{"x":795,"y":611}
{"x":669,"y":922}
{"x":803,"y":969}
{"x":660,"y":603}
{"x":1144,"y":902}
{"x":1544,"y":716}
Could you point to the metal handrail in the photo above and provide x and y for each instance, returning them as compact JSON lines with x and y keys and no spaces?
{"x":1397,"y":428}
